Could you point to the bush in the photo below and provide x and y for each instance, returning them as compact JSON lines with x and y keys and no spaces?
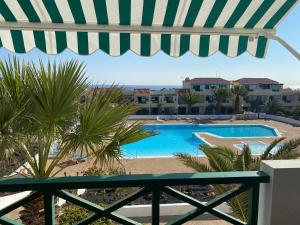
{"x":95,"y":171}
{"x":73,"y":213}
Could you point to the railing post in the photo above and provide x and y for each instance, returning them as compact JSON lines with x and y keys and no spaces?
{"x":49,"y":207}
{"x":253,"y":205}
{"x":279,"y":199}
{"x":155,"y":205}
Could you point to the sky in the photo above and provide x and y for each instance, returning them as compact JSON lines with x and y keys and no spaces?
{"x":162,"y":69}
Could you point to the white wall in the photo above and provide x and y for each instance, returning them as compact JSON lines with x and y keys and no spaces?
{"x":279,"y":200}
{"x":283,"y":119}
{"x":174,"y":117}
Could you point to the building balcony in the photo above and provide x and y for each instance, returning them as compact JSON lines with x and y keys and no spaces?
{"x":269,"y":203}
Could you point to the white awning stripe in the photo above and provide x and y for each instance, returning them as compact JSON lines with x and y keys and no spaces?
{"x":17,"y":11}
{"x":227,"y":12}
{"x":65,"y":11}
{"x":89,"y":11}
{"x":28,"y":40}
{"x":113,"y":11}
{"x":41,"y":11}
{"x":159,"y":12}
{"x":252,"y":8}
{"x":204,"y":13}
{"x":136,"y":12}
{"x":270,"y":13}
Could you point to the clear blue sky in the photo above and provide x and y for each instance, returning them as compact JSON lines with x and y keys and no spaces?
{"x":164,"y":70}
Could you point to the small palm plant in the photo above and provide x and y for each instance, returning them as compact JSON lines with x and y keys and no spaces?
{"x":40,"y":109}
{"x":223,"y":159}
{"x":220,"y":96}
{"x":191,"y":98}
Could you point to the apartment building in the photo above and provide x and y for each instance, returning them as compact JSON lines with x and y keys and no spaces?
{"x":263,"y":90}
{"x":205,"y":87}
{"x":172,"y":101}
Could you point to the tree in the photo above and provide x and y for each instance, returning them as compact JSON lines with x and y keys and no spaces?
{"x":238,"y":91}
{"x":40,"y":109}
{"x":220,"y":96}
{"x":273,"y":107}
{"x":191,"y":98}
{"x":223,"y":159}
{"x":254,"y":104}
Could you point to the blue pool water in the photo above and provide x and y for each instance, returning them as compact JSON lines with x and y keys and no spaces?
{"x":180,"y":138}
{"x":257,"y":147}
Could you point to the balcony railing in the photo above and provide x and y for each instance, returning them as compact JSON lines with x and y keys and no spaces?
{"x":154,"y":184}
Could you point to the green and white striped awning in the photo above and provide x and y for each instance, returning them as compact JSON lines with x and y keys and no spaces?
{"x":142,"y":26}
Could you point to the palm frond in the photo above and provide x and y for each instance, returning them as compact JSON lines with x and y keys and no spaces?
{"x":266,"y":153}
{"x":287,"y":149}
{"x":193,"y":162}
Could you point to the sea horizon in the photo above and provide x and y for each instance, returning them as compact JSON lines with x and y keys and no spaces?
{"x":133,"y":86}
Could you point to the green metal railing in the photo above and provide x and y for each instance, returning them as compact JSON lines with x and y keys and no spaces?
{"x":154,"y":184}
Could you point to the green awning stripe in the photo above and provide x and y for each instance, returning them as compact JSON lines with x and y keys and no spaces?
{"x":124,"y":12}
{"x":148,"y":12}
{"x":39,"y":39}
{"x":6,"y":13}
{"x":259,"y":13}
{"x":83,"y":46}
{"x":18,"y":41}
{"x":261,"y":47}
{"x":215,"y":13}
{"x":171,"y":12}
{"x":104,"y":42}
{"x":204,"y":45}
{"x":280,"y":13}
{"x":145,"y":44}
{"x":243,"y":43}
{"x":184,"y":43}
{"x":267,"y":13}
{"x":101,"y":11}
{"x":53,"y":11}
{"x":124,"y":43}
{"x":166,"y":43}
{"x":192,"y":13}
{"x":61,"y":41}
{"x":237,"y":13}
{"x":77,"y":12}
{"x":224,"y":44}
{"x":29,"y":10}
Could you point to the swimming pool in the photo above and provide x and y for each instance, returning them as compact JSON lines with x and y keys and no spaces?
{"x":257,"y":147}
{"x":172,"y":138}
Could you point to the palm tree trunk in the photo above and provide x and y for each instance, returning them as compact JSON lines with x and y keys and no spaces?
{"x":189,"y":109}
{"x":237,"y":104}
{"x":34,"y":212}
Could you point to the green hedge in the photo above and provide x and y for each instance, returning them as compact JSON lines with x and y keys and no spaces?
{"x":73,"y":213}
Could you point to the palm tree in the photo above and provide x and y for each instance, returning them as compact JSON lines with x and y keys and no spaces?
{"x":238,"y":91}
{"x":40,"y":109}
{"x":273,"y":106}
{"x":254,"y":104}
{"x":191,"y":98}
{"x":223,"y":159}
{"x":220,"y":96}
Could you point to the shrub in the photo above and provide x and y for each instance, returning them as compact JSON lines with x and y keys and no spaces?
{"x":73,"y":213}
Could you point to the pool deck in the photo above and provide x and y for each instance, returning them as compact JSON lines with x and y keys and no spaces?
{"x":172,"y":165}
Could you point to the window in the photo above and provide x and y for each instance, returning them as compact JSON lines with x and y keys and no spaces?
{"x":169,"y":99}
{"x":196,"y":87}
{"x":142,"y":100}
{"x":276,"y":87}
{"x":154,"y":99}
{"x":209,"y":98}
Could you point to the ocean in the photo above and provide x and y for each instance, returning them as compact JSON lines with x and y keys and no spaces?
{"x":151,"y":87}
